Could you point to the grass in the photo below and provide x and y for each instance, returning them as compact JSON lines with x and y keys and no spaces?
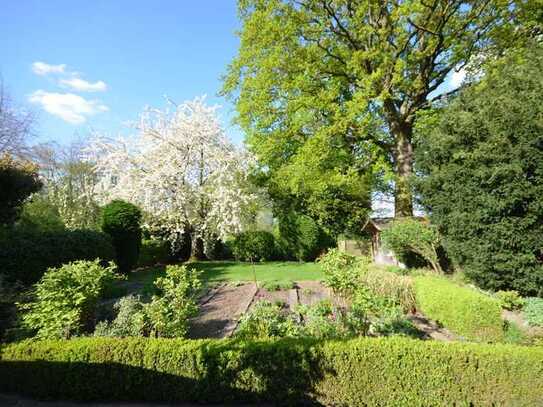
{"x":229,"y":271}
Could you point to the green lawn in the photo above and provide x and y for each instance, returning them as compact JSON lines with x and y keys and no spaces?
{"x":216,"y":271}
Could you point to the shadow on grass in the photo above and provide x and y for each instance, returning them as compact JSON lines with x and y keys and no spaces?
{"x":256,"y":374}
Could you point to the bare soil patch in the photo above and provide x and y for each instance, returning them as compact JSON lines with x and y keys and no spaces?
{"x":220,"y":310}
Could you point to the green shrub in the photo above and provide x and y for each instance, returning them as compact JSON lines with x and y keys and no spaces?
{"x":342,"y":271}
{"x":130,"y":320}
{"x":464,"y":311}
{"x":367,"y":371}
{"x":397,"y":288}
{"x":154,"y":252}
{"x":168,"y":313}
{"x":406,"y":236}
{"x":264,"y":321}
{"x":533,"y":311}
{"x":253,"y":246}
{"x":18,"y":180}
{"x":300,"y":238}
{"x":65,"y":299}
{"x":510,"y":300}
{"x":41,"y":215}
{"x":26,"y":254}
{"x":121,"y":220}
{"x":480,"y":167}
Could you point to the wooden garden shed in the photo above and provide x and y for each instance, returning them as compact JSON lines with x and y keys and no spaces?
{"x":372,"y":245}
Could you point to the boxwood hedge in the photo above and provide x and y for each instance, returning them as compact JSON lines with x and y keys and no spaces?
{"x":370,"y":371}
{"x":465,"y":311}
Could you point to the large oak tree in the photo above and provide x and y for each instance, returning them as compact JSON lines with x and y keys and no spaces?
{"x":350,"y":76}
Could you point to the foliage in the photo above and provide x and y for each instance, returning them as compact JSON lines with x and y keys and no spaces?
{"x":342,"y":271}
{"x":408,"y":235}
{"x":278,"y":285}
{"x":169,"y":312}
{"x":70,"y":184}
{"x":481,"y":163}
{"x":182,"y":170}
{"x":153,"y":252}
{"x":300,"y":237}
{"x":366,"y":371}
{"x":327,"y":93}
{"x":510,"y":300}
{"x":256,"y":245}
{"x":130,"y":320}
{"x":265,"y":321}
{"x":18,"y":180}
{"x":463,"y":310}
{"x":397,"y":288}
{"x":38,"y":214}
{"x":26,"y":254}
{"x":65,"y":299}
{"x":533,"y":311}
{"x":121,"y":220}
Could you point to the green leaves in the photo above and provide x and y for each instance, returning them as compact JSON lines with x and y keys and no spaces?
{"x":480,"y":159}
{"x":65,"y":298}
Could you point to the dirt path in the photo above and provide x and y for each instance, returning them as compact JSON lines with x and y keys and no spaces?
{"x":220,"y":311}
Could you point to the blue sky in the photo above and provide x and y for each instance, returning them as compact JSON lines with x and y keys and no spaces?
{"x":95,"y":65}
{"x":101,"y":62}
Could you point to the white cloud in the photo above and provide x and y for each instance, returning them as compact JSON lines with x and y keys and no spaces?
{"x":457,"y":77}
{"x":69,"y":107}
{"x":82,"y":85}
{"x":41,"y":68}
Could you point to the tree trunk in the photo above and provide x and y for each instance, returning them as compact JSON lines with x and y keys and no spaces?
{"x":403,"y":157}
{"x":196,"y":247}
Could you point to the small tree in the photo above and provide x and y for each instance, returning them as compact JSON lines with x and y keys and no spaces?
{"x":18,"y":180}
{"x":409,"y":235}
{"x":121,"y":220}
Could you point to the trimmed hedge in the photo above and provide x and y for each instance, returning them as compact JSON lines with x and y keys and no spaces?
{"x":370,"y":371}
{"x":257,"y":245}
{"x":464,"y":311}
{"x":25,"y":255}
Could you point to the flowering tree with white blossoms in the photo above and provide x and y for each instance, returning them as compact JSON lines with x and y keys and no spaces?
{"x":181,"y":170}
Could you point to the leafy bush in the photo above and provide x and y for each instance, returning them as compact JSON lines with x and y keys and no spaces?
{"x":121,"y":220}
{"x":130,"y":320}
{"x":397,"y":288}
{"x":18,"y":180}
{"x":533,"y":311}
{"x":253,"y":246}
{"x":299,"y":237}
{"x":342,"y":271}
{"x":357,"y":372}
{"x":510,"y":300}
{"x":26,"y":254}
{"x":40,"y":215}
{"x":169,"y":312}
{"x":264,"y":321}
{"x":406,"y":236}
{"x":153,"y":252}
{"x":463,"y":310}
{"x":481,"y":163}
{"x":65,"y":299}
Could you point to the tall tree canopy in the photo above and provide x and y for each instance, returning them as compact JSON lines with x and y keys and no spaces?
{"x":334,"y":85}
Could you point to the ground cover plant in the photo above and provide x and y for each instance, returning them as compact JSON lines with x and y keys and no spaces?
{"x":465,"y":311}
{"x":533,"y":311}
